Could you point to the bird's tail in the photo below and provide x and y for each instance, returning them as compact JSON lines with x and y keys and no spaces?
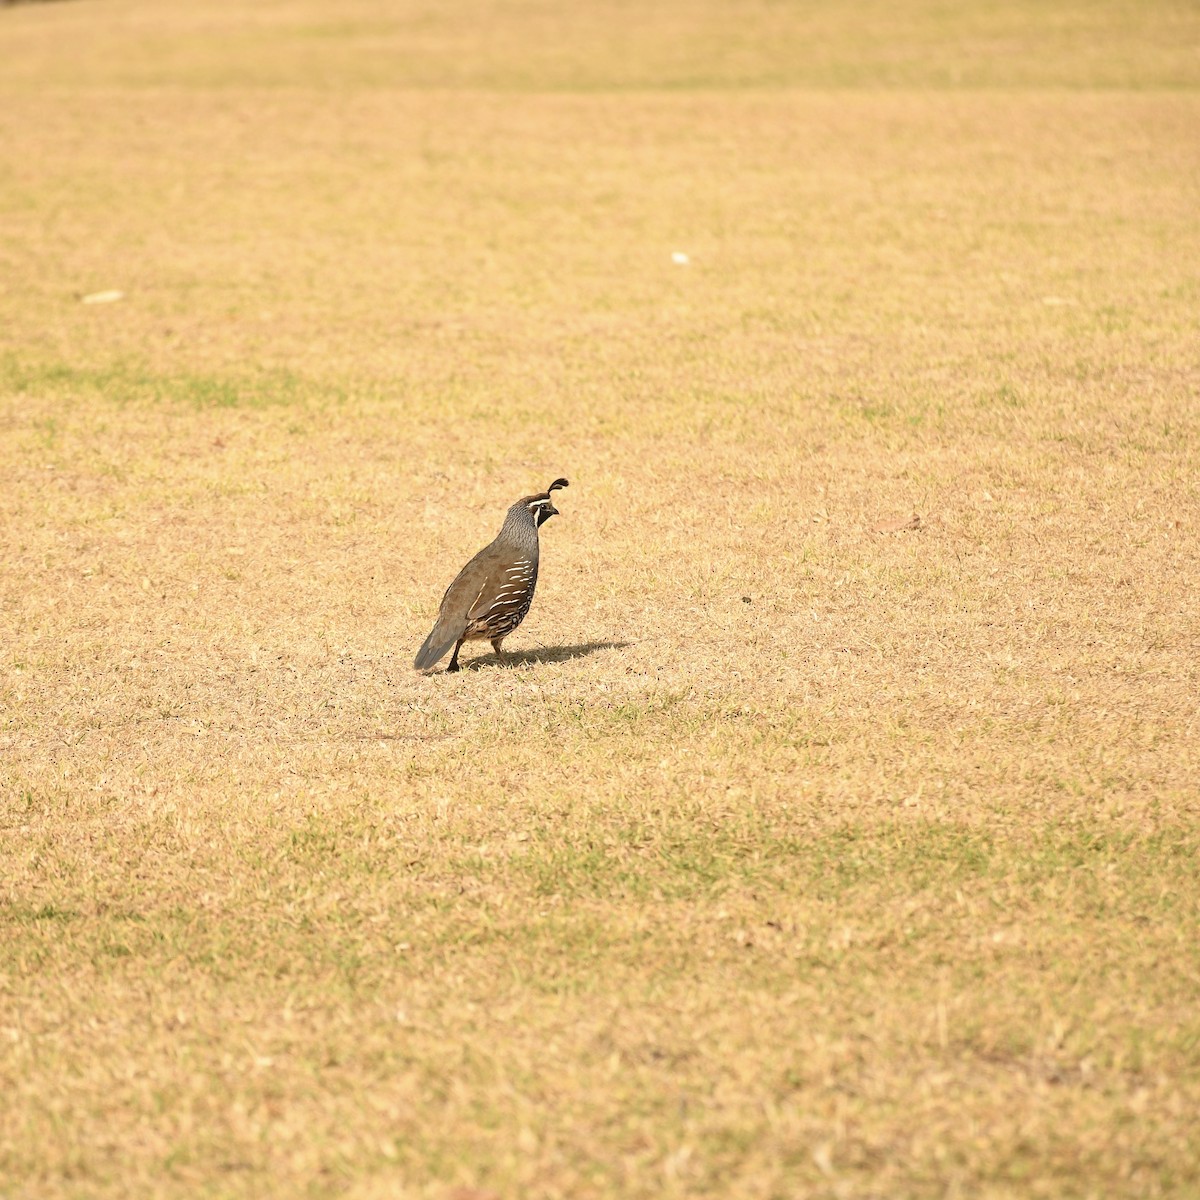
{"x":441,"y":637}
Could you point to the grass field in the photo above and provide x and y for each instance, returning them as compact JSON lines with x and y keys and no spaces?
{"x":801,"y":848}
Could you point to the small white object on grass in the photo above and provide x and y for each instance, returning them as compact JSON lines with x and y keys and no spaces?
{"x":102,"y":297}
{"x":680,"y":258}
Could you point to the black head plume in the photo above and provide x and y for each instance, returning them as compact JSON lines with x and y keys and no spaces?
{"x":541,"y":507}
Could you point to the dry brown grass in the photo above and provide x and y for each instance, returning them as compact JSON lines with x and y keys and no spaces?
{"x":789,"y":857}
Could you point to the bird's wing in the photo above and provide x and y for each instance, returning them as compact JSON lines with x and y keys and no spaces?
{"x":505,"y":583}
{"x":456,"y":604}
{"x":471,"y":583}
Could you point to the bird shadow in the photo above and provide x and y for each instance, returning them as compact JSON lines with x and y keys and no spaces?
{"x":543,"y":654}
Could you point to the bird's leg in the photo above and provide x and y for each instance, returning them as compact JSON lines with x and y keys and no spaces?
{"x":496,"y":644}
{"x":454,"y":658}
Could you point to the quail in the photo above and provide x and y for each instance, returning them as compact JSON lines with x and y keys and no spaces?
{"x":492,"y":593}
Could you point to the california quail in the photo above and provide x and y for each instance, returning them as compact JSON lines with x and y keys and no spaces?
{"x":492,"y":593}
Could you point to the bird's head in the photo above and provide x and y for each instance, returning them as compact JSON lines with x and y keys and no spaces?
{"x":541,"y":507}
